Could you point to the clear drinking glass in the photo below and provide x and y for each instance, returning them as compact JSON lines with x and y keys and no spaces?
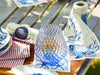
{"x":50,"y":45}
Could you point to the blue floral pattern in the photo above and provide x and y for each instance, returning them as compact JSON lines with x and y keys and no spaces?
{"x":63,"y":66}
{"x":72,"y":27}
{"x":80,"y":51}
{"x":3,"y":36}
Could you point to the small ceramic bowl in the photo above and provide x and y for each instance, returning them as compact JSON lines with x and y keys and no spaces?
{"x":5,"y":38}
{"x":6,"y":48}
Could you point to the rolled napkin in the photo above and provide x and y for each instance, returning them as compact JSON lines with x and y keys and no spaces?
{"x":22,"y":32}
{"x":82,"y":42}
{"x":26,"y":3}
{"x":15,"y":55}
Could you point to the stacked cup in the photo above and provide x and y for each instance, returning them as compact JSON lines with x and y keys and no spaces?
{"x":5,"y":41}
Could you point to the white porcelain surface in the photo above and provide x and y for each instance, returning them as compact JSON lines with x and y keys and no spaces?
{"x":6,"y":40}
{"x":5,"y":50}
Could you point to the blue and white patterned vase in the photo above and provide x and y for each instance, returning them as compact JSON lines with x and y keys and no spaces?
{"x":82,"y":42}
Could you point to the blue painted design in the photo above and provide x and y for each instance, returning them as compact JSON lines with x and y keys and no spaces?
{"x":27,"y":1}
{"x":40,"y":74}
{"x":77,"y":33}
{"x":43,"y":65}
{"x":3,"y":37}
{"x":80,"y":51}
{"x":84,"y":18}
{"x":61,"y":66}
{"x":4,"y":48}
{"x":94,"y":45}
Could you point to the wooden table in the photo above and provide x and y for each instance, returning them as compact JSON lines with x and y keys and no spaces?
{"x":49,"y":13}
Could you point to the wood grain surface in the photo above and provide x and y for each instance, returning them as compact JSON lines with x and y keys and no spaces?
{"x":75,"y":65}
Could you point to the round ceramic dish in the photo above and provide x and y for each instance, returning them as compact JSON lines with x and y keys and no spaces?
{"x":6,"y":48}
{"x":4,"y":40}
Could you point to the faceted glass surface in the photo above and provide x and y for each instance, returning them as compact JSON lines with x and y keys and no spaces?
{"x":50,"y":45}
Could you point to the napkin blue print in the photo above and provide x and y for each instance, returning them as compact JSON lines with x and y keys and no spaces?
{"x":63,"y":66}
{"x":31,"y":70}
{"x":82,"y":42}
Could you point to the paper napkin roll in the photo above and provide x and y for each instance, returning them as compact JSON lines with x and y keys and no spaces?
{"x":82,"y":42}
{"x":22,"y":32}
{"x":81,"y":9}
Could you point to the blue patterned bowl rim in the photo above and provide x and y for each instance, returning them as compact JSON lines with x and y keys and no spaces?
{"x":6,"y":48}
{"x":7,"y":39}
